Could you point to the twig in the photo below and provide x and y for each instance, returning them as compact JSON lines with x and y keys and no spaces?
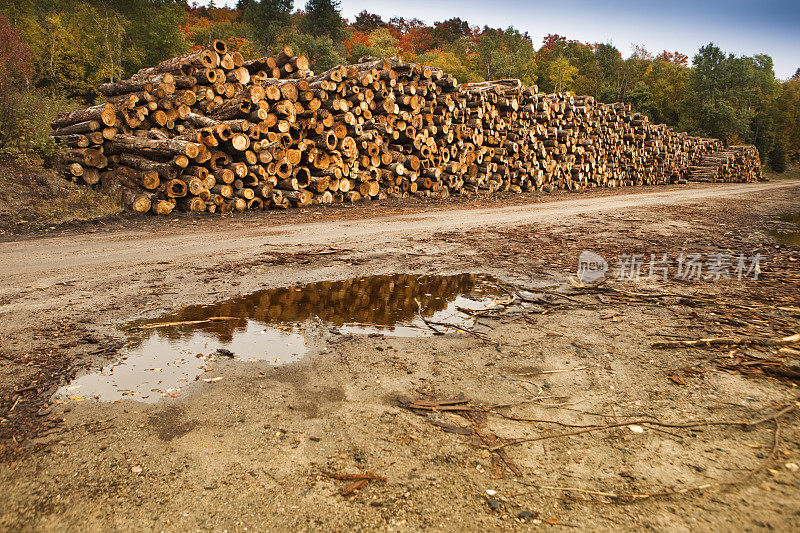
{"x":360,"y":479}
{"x":350,"y":489}
{"x":15,"y":403}
{"x":369,"y":476}
{"x":772,"y":417}
{"x":562,"y":370}
{"x":448,"y":405}
{"x":419,"y":312}
{"x":563,"y":404}
{"x":729,"y":341}
{"x":534,"y":420}
{"x":184,"y":322}
{"x":645,"y":421}
{"x":431,"y":324}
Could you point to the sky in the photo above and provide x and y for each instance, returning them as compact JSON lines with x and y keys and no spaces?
{"x":741,"y":27}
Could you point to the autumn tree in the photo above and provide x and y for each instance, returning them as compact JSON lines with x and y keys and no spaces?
{"x":403,"y":25}
{"x":561,"y":74}
{"x":669,"y":87}
{"x":14,"y":78}
{"x":416,"y":39}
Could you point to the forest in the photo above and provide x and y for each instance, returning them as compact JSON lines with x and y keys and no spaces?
{"x":55,"y":53}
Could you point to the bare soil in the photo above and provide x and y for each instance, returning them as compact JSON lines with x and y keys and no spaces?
{"x":34,"y":199}
{"x":256,"y":449}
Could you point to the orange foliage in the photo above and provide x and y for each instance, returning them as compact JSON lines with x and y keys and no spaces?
{"x":675,"y":58}
{"x":415,"y":41}
{"x":357,"y":37}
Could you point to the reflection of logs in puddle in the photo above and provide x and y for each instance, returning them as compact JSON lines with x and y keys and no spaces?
{"x":383,"y":300}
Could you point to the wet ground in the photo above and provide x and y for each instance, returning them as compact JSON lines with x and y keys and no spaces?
{"x":559,"y":414}
{"x":787,"y":230}
{"x":280,"y":325}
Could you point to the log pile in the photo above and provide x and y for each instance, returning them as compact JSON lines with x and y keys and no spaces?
{"x":734,"y":163}
{"x":209,"y":131}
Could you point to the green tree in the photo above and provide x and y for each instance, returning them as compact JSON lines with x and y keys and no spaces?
{"x":367,"y":22}
{"x":708,"y":72}
{"x":561,"y":74}
{"x":490,"y":59}
{"x":786,"y":115}
{"x":154,"y":31}
{"x":610,"y":62}
{"x":449,"y":31}
{"x":583,"y":56}
{"x":268,"y":20}
{"x":381,"y":43}
{"x":521,"y":62}
{"x":321,"y":51}
{"x":450,"y":62}
{"x":324,"y":17}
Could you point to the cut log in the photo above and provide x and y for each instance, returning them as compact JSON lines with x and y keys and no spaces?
{"x":103,"y":113}
{"x":160,"y":148}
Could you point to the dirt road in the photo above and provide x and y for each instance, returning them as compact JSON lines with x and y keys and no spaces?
{"x":254,"y":446}
{"x":24,"y":261}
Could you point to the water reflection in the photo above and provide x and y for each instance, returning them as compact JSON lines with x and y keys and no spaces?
{"x":276,"y":325}
{"x":789,"y":233}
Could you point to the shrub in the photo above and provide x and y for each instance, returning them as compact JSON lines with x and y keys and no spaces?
{"x":777,"y":158}
{"x":25,"y":112}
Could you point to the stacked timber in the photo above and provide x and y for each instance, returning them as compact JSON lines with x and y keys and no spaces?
{"x":734,"y":163}
{"x":209,"y":131}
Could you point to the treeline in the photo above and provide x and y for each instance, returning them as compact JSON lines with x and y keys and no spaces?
{"x":64,"y":49}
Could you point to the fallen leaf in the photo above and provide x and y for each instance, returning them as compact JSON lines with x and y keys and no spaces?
{"x":551,"y":521}
{"x":136,"y":469}
{"x":212,"y":380}
{"x":675,"y":378}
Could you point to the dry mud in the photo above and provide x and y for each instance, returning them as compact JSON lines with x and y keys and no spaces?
{"x":254,"y":450}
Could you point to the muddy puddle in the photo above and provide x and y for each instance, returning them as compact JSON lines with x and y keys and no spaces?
{"x":789,"y":230}
{"x":280,"y":326}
